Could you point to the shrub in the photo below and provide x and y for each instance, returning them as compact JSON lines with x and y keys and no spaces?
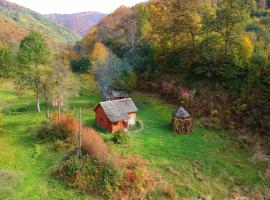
{"x":120,"y":137}
{"x":110,"y":176}
{"x":137,"y":181}
{"x":94,"y":145}
{"x":38,"y":151}
{"x":60,"y":145}
{"x":44,"y":131}
{"x":95,"y":177}
{"x":51,"y":132}
{"x":168,"y":191}
{"x":60,"y":128}
{"x":66,"y":121}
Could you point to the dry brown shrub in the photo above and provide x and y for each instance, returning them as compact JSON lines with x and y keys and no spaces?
{"x":137,"y":180}
{"x":266,"y":174}
{"x":67,"y":121}
{"x":94,"y":145}
{"x":168,"y":191}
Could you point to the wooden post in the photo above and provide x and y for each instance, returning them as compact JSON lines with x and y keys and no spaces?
{"x":79,"y":145}
{"x":58,"y":111}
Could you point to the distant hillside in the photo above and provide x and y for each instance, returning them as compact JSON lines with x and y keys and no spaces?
{"x":16,"y":21}
{"x":79,"y":23}
{"x":119,"y":27}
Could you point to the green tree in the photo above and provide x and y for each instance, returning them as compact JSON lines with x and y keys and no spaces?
{"x":81,"y":65}
{"x":7,"y":62}
{"x":33,"y":52}
{"x":127,"y":79}
{"x":47,"y":85}
{"x":232,"y":15}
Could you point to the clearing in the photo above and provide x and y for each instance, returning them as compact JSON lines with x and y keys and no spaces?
{"x":209,"y":162}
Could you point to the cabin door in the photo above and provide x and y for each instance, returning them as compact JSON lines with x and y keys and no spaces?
{"x":125,"y":125}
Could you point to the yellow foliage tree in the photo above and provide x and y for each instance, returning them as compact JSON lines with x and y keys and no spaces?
{"x":99,"y":54}
{"x":247,"y":47}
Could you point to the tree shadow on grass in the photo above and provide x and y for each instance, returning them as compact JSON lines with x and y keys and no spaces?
{"x":92,"y":124}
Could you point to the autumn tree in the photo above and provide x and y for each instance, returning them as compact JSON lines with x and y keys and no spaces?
{"x":47,"y":85}
{"x":33,"y":52}
{"x":99,"y":53}
{"x":65,"y":85}
{"x":106,"y":72}
{"x":112,"y":72}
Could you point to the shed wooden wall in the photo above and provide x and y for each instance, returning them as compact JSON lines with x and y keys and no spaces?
{"x":132,"y":119}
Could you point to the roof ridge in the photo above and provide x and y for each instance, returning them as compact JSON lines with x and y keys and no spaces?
{"x":116,"y":100}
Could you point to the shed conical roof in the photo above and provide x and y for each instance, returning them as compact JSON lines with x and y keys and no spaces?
{"x":181,"y":113}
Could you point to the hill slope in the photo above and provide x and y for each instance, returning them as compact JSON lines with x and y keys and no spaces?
{"x":79,"y":23}
{"x":22,"y":20}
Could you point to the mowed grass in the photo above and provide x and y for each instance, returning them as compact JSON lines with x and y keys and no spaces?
{"x":208,"y":162}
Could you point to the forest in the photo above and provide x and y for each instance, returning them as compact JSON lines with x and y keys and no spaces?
{"x":205,"y":46}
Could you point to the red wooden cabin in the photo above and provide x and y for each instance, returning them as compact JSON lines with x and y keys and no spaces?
{"x":116,"y":115}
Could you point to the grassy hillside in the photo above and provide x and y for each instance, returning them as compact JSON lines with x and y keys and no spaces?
{"x":209,"y":162}
{"x":24,"y":20}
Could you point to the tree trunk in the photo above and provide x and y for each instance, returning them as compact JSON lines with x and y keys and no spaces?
{"x":37,"y":97}
{"x":46,"y":97}
{"x":37,"y":101}
{"x":59,"y":111}
{"x":193,"y":38}
{"x":47,"y":108}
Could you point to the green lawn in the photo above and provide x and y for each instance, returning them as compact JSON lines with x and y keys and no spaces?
{"x":208,"y":162}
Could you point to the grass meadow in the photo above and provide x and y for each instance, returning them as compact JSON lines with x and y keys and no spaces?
{"x":210,"y":162}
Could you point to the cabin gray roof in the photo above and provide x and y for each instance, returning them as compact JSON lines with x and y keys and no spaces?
{"x":119,"y":94}
{"x":181,"y":113}
{"x":119,"y":109}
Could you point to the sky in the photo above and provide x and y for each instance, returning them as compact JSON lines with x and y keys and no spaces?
{"x":73,"y":6}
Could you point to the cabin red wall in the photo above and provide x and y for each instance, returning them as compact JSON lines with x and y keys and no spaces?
{"x":103,"y":121}
{"x":117,"y":126}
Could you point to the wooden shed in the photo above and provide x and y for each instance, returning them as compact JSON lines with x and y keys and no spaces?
{"x":116,"y":115}
{"x":181,"y":121}
{"x":116,"y":95}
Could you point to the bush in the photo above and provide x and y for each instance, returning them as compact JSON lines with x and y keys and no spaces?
{"x":95,"y":177}
{"x":38,"y":151}
{"x":52,"y":132}
{"x":120,"y":137}
{"x":60,"y":145}
{"x":58,"y":129}
{"x":94,"y":145}
{"x":99,"y":172}
{"x":137,"y":181}
{"x":67,"y":122}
